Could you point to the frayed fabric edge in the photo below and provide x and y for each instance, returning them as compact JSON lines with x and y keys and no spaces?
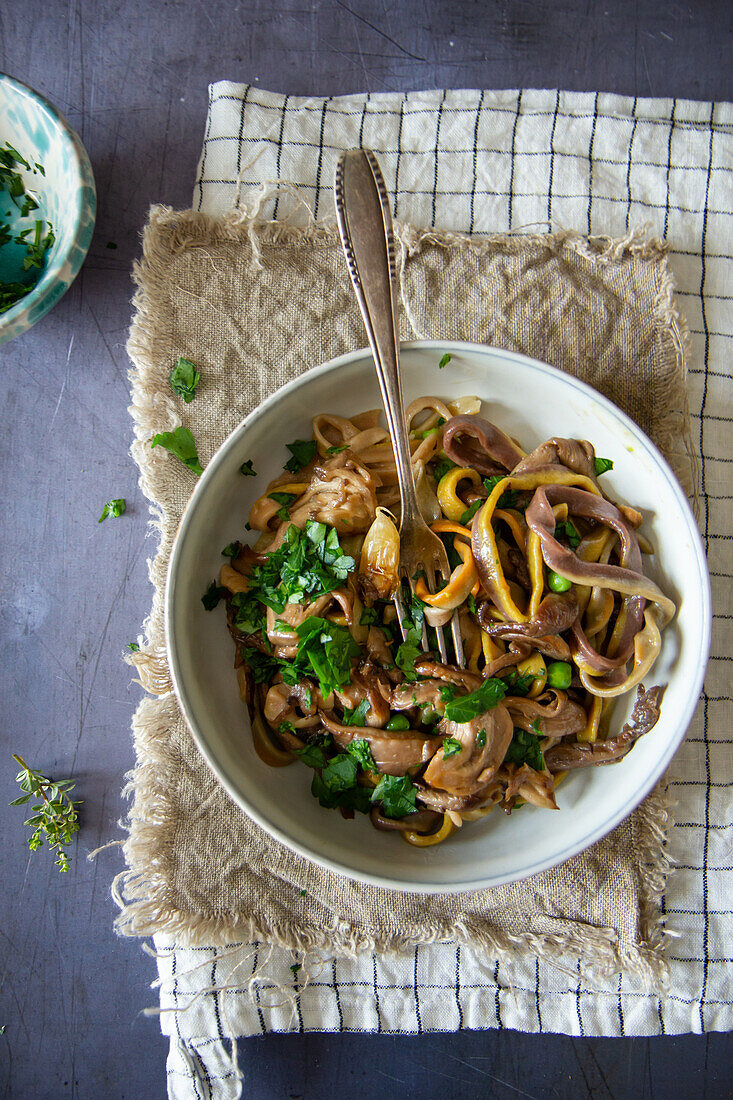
{"x":141,"y":891}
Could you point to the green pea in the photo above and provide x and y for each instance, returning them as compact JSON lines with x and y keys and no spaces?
{"x":559,"y":674}
{"x":398,"y":722}
{"x":556,"y":583}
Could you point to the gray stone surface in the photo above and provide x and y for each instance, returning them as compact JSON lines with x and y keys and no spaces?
{"x":131,"y":77}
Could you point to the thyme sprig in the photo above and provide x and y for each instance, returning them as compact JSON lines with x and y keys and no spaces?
{"x":54,"y":815}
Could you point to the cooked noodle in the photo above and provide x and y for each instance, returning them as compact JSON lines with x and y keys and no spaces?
{"x":557,"y":617}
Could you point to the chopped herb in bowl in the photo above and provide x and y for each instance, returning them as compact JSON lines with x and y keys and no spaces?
{"x":25,"y":237}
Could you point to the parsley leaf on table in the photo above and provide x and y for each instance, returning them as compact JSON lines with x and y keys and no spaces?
{"x":184,"y":378}
{"x":112,"y":508}
{"x":181,"y":444}
{"x":602,"y":465}
{"x":247,"y":469}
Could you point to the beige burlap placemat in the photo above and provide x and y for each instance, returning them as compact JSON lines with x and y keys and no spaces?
{"x":254,"y":306}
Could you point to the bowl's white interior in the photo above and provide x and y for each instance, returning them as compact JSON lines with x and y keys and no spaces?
{"x":532,"y":402}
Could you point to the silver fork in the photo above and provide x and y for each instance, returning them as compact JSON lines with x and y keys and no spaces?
{"x":365,"y":225}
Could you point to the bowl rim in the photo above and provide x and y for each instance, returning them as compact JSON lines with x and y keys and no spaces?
{"x":48,"y":290}
{"x":293,"y":843}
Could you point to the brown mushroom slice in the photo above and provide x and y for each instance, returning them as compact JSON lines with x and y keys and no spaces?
{"x":423,"y":821}
{"x":419,"y":694}
{"x":395,"y":752}
{"x":559,"y":718}
{"x":473,"y":441}
{"x":428,"y":666}
{"x":577,"y":455}
{"x":484,"y":743}
{"x":585,"y":754}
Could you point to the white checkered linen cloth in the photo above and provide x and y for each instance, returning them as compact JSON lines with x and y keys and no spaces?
{"x":493,"y":162}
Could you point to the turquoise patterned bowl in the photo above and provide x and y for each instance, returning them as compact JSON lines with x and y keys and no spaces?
{"x":67,"y":197}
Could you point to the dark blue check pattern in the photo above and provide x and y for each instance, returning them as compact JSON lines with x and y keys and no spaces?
{"x":492,"y":162}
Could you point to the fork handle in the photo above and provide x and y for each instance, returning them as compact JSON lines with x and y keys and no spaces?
{"x":365,"y":226}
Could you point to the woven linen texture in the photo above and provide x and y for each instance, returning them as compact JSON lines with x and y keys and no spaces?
{"x":599,"y":163}
{"x":250,"y":322}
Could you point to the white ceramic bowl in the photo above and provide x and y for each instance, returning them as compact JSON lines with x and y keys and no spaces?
{"x":66,"y":194}
{"x":532,"y":402}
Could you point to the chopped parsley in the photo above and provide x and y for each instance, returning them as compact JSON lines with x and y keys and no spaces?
{"x":326,"y":650}
{"x":133,"y":647}
{"x":212,"y":595}
{"x":112,"y":508}
{"x":184,"y":378}
{"x":369,"y":617}
{"x":602,"y":465}
{"x":396,"y":794}
{"x":408,"y":652}
{"x":307,"y":564}
{"x":470,"y":512}
{"x":340,"y":772}
{"x":335,"y":785}
{"x":337,"y":450}
{"x":357,"y":715}
{"x":361,"y":750}
{"x":247,"y":469}
{"x":312,"y":756}
{"x":233,"y":550}
{"x":520,"y":683}
{"x":467,"y":707}
{"x":36,"y":239}
{"x":525,"y":749}
{"x":442,"y":466}
{"x":181,"y":444}
{"x":448,"y":693}
{"x":303,"y":451}
{"x":285,"y":500}
{"x":451,"y":746}
{"x":444,"y":361}
{"x":481,"y":738}
{"x":509,"y":498}
{"x":263,"y":666}
{"x":567,"y":530}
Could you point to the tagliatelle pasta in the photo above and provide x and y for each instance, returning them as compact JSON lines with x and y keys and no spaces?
{"x":557,"y":617}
